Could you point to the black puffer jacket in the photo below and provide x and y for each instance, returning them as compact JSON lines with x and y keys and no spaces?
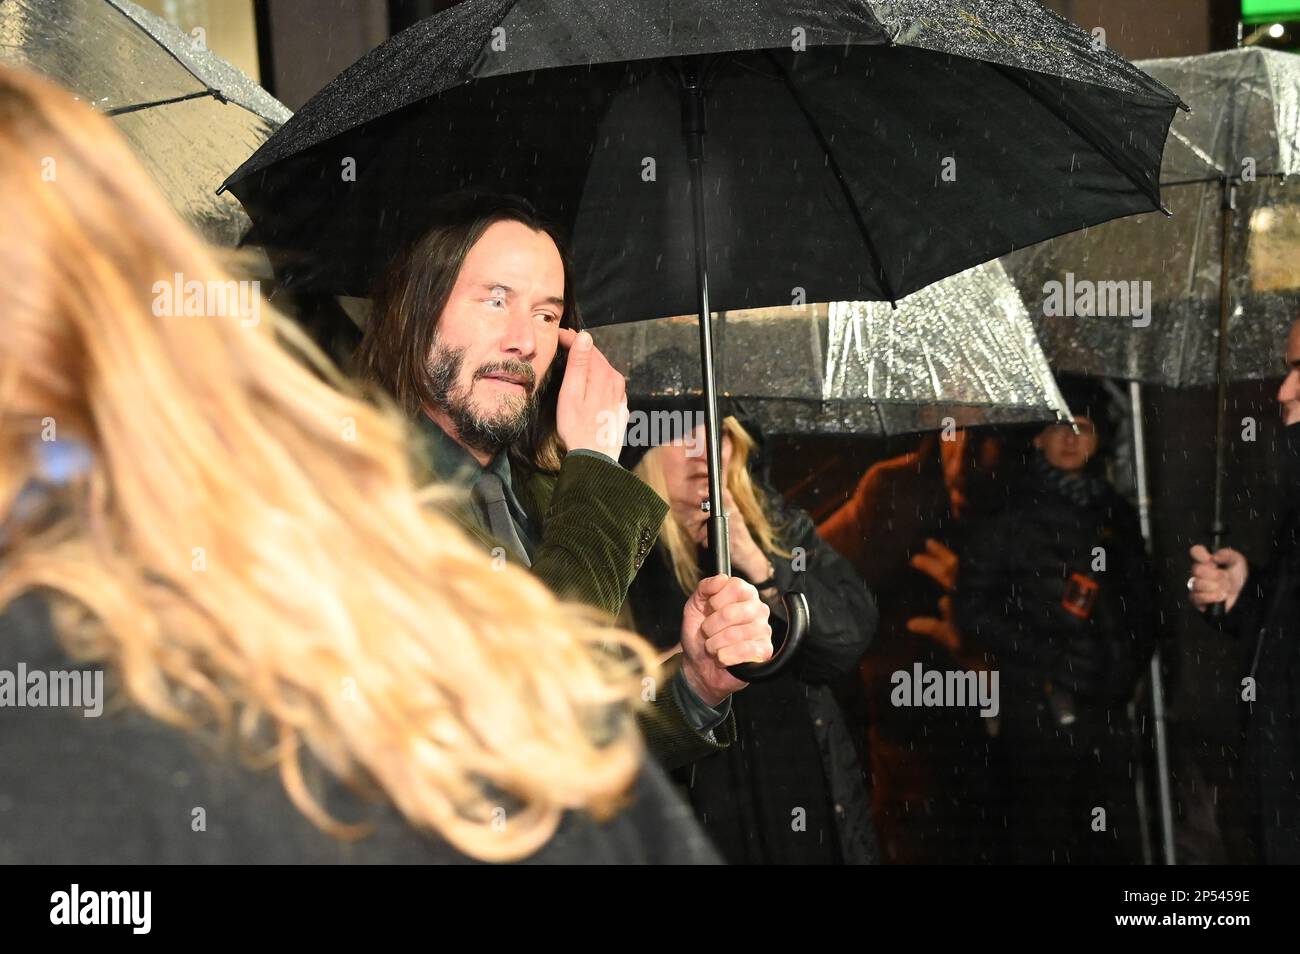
{"x":1052,"y":544}
{"x":790,"y":790}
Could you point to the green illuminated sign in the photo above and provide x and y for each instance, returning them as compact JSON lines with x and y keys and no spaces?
{"x":1261,"y":11}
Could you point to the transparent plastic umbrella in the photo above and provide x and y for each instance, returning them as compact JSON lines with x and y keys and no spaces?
{"x":1241,"y":142}
{"x":959,"y":353}
{"x":1220,"y":280}
{"x":189,"y":114}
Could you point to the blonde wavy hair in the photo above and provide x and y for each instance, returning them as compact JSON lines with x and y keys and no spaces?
{"x":750,"y":500}
{"x":249,"y":551}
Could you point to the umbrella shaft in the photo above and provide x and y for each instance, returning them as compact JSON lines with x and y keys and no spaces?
{"x":1228,"y":208}
{"x":693,"y":127}
{"x":1156,"y":673}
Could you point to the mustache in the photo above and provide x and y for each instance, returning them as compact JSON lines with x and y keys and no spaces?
{"x":515,"y":369}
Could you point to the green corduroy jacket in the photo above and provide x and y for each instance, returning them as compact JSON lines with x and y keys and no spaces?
{"x":598,"y":524}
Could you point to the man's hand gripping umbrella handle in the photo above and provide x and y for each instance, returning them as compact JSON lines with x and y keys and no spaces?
{"x":797,"y":616}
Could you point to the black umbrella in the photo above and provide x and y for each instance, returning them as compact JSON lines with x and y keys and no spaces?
{"x":859,"y":150}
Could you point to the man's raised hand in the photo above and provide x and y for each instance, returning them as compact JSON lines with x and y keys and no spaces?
{"x":591,"y":413}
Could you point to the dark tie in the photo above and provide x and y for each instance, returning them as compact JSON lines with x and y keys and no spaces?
{"x":492,"y":495}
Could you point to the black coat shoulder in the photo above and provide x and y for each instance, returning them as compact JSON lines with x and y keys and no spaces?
{"x":124,"y":788}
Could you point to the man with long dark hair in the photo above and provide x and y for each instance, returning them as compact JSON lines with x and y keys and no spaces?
{"x":476,"y":333}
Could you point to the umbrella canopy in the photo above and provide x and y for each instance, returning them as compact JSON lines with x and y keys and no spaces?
{"x":858,"y":150}
{"x":1244,"y":128}
{"x":961,"y":353}
{"x":188,"y":114}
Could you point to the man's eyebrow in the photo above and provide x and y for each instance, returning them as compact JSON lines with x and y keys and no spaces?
{"x":489,"y":286}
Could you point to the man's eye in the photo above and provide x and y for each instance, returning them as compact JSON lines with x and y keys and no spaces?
{"x":496,"y":301}
{"x":549,"y":318}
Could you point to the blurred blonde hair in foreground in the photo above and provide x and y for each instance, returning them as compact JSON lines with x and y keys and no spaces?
{"x":249,"y":572}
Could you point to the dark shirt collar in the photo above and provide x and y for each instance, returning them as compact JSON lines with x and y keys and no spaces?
{"x":454,"y":464}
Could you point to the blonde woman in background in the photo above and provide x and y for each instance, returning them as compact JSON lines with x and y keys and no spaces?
{"x":791,"y":790}
{"x":301,"y":659}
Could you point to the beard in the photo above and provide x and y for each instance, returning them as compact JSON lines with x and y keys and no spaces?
{"x":489,"y":432}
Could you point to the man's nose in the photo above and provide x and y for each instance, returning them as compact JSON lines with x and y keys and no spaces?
{"x":519,"y":336}
{"x":1290,"y":389}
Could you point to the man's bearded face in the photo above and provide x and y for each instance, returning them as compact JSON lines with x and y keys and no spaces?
{"x":490,"y":408}
{"x":497,"y":337}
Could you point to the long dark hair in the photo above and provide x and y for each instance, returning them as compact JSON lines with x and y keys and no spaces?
{"x":412,"y":293}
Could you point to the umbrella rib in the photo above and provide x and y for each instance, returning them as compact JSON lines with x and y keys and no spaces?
{"x":136,"y":107}
{"x":1087,"y":137}
{"x":886,"y":285}
{"x":168,"y":50}
{"x":1199,"y":153}
{"x":1280,"y":176}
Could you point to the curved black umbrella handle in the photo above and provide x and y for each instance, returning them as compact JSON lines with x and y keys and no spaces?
{"x":797,"y":619}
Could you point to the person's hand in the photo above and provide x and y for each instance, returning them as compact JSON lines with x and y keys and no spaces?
{"x":591,"y":413}
{"x":942,"y":628}
{"x":724,"y":623}
{"x":746,"y":555}
{"x":696,"y":524}
{"x":1217,"y":577}
{"x":938,"y":562}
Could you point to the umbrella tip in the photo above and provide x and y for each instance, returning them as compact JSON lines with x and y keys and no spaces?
{"x":1168,"y":213}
